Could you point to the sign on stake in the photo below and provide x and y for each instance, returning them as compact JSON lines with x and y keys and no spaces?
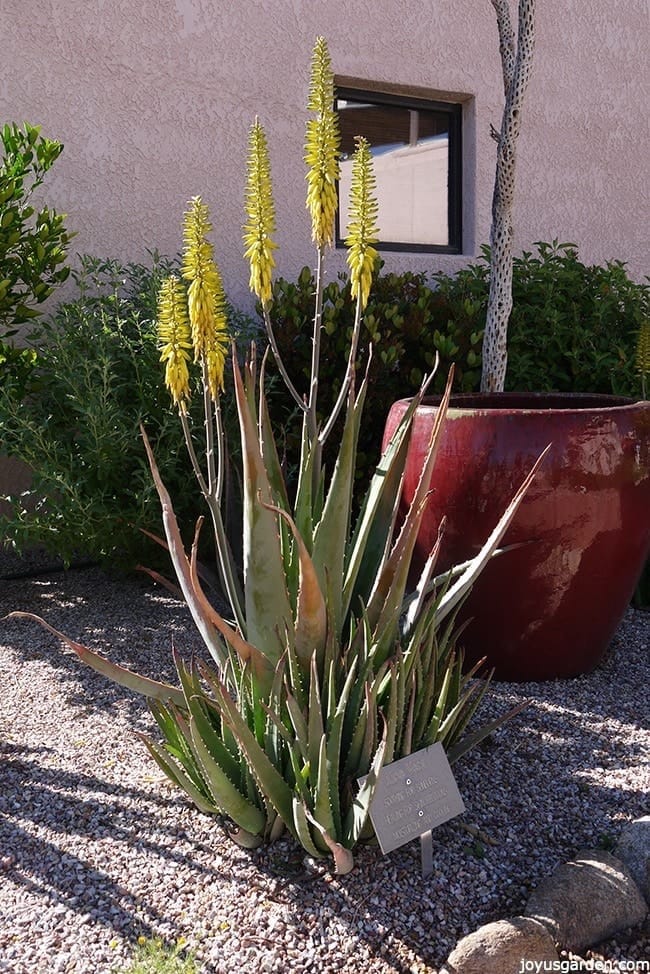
{"x":413,"y":796}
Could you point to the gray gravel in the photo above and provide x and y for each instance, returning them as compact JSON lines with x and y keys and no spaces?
{"x":97,"y":848}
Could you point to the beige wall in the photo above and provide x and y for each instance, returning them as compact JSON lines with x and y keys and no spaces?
{"x":153,"y":101}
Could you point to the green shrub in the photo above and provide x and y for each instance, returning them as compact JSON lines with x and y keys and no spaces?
{"x":33,"y":243}
{"x":573,"y":328}
{"x":406,"y":321}
{"x":74,"y":420}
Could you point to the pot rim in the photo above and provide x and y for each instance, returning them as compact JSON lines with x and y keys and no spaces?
{"x":540,"y":403}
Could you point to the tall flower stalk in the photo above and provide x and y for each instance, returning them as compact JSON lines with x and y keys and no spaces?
{"x":362,"y":233}
{"x":322,"y":153}
{"x":258,"y":236}
{"x":195,"y":318}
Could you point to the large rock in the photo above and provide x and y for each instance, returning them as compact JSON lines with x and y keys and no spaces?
{"x":587,"y":900}
{"x":497,"y":948}
{"x":633,"y":848}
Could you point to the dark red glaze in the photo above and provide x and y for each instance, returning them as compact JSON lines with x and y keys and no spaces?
{"x":548,"y":609}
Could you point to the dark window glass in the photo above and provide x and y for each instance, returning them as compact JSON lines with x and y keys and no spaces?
{"x":417,"y":161}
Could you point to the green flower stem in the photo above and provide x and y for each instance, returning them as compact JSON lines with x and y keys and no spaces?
{"x":349,"y":375}
{"x":211,"y":491}
{"x":209,"y":433}
{"x":221,"y":451}
{"x":278,"y":358}
{"x":192,"y":454}
{"x":315,"y":353}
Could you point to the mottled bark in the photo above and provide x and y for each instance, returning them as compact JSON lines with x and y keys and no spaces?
{"x":516,"y":60}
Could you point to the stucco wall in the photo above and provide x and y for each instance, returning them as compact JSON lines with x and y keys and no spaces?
{"x":153,"y":101}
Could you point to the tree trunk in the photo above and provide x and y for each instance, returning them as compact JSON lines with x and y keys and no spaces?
{"x":516,"y":60}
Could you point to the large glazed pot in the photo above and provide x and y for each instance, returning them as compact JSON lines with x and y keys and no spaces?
{"x":550,"y":607}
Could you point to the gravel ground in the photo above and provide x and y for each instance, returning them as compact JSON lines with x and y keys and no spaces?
{"x":97,"y":848}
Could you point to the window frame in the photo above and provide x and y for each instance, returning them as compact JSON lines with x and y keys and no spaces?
{"x":454,"y":113}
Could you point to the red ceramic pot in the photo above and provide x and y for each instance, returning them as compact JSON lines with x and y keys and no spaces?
{"x":549,"y":608}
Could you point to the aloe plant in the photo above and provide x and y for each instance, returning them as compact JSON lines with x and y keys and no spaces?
{"x":328,"y":667}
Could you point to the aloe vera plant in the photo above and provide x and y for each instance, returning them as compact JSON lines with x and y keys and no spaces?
{"x":327,"y":666}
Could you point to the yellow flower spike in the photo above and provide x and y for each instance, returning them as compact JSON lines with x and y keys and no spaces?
{"x":362,"y":228}
{"x":205,"y":297}
{"x":260,"y":212}
{"x":643,"y":354}
{"x":175,"y":339}
{"x":215,"y":356}
{"x":322,"y":147}
{"x":643,"y":349}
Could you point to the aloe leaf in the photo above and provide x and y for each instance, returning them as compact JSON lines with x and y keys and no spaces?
{"x":388,"y":594}
{"x":355,"y":748}
{"x":114,"y":672}
{"x":204,"y":572}
{"x":395,"y":698}
{"x":300,"y":773}
{"x":322,"y":800}
{"x":302,"y":829}
{"x":433,"y":729}
{"x":304,"y":507}
{"x":369,"y":742}
{"x":311,"y":614}
{"x":473,"y":690}
{"x":188,"y":676}
{"x":276,"y":729}
{"x":176,"y":734}
{"x":357,"y":698}
{"x":343,"y":858}
{"x":416,"y":606}
{"x":278,"y":724}
{"x":393,"y":748}
{"x":334,"y":741}
{"x":332,"y":530}
{"x":296,"y":677}
{"x":428,"y":686}
{"x":225,"y":793}
{"x":357,"y":816}
{"x":376,"y":523}
{"x":471,"y":740}
{"x":268,"y":445}
{"x":245,"y":650}
{"x":299,"y":725}
{"x":181,"y":563}
{"x":268,"y":611}
{"x":459,"y":716}
{"x":212,"y":739}
{"x":269,"y":780}
{"x":315,"y":728}
{"x":175,"y":774}
{"x":407,"y":730}
{"x":178,"y":740}
{"x":249,"y":378}
{"x":246,"y":839}
{"x":459,"y":589}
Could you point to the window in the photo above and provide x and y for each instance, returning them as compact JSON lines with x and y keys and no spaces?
{"x":416,"y":148}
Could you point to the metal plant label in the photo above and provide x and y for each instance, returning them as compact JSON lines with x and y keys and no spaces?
{"x":413,"y":796}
